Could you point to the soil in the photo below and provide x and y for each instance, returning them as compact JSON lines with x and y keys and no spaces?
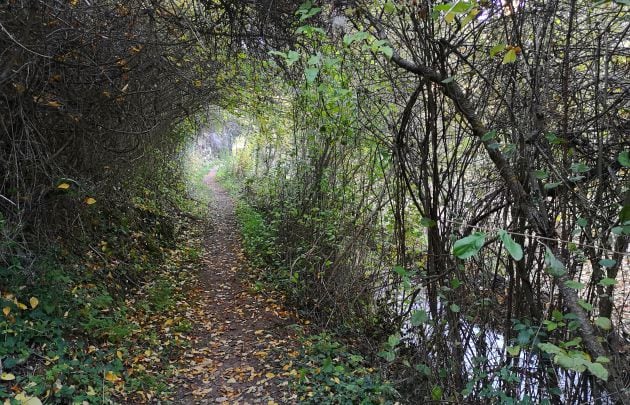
{"x":242,"y":340}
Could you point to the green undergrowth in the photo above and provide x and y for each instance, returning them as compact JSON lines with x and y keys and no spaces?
{"x":91,"y":319}
{"x":331,"y":373}
{"x":328,"y":371}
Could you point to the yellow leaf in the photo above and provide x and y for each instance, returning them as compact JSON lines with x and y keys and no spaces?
{"x":90,"y":201}
{"x":270,"y":375}
{"x":168,"y":322}
{"x":63,"y":186}
{"x":111,"y":376}
{"x":34,"y":302}
{"x":54,"y":104}
{"x":510,"y":56}
{"x":21,"y":306}
{"x":7,"y":377}
{"x":119,"y":354}
{"x":90,"y":391}
{"x":6,"y":311}
{"x":32,"y":401}
{"x":449,"y":17}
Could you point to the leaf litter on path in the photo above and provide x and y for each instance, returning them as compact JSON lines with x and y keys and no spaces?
{"x":239,"y":338}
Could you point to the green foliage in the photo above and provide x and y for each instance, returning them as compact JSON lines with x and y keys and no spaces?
{"x":512,"y":247}
{"x":329,"y":373}
{"x":469,"y":246}
{"x":74,"y":319}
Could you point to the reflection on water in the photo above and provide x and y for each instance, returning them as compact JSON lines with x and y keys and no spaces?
{"x":521,"y":376}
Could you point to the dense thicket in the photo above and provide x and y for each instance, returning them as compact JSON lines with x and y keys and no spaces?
{"x":92,"y":90}
{"x":458,"y":171}
{"x":453,"y":175}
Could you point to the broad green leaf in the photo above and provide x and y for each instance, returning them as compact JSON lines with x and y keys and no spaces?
{"x":469,"y":246}
{"x":513,"y":350}
{"x":489,"y":135}
{"x":454,"y":307}
{"x":497,"y":49}
{"x":388,"y":355}
{"x":579,"y":167}
{"x":401,"y":271}
{"x":387,"y":51}
{"x":292,"y":57}
{"x":551,"y":326}
{"x":554,"y":266}
{"x":552,"y":138}
{"x":541,"y":174}
{"x":311,"y":74}
{"x":393,"y":340}
{"x":389,"y":7}
{"x":510,"y":57}
{"x":309,"y":29}
{"x":582,"y":222}
{"x":310,"y":13}
{"x":551,"y":186}
{"x":419,"y":317}
{"x":314,"y":60}
{"x":448,"y":79}
{"x":570,"y":362}
{"x":348,"y":39}
{"x":427,"y":222}
{"x":586,"y":305}
{"x":624,"y":158}
{"x":607,"y":282}
{"x":603,"y":322}
{"x":607,"y":262}
{"x":576,"y":285}
{"x":598,"y":370}
{"x":572,"y":343}
{"x":278,"y":53}
{"x":510,"y":245}
{"x":549,"y":348}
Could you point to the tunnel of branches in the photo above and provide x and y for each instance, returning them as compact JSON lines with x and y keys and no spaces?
{"x":400,"y":145}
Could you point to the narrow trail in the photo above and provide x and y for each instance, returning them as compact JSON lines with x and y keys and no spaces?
{"x":241,"y":340}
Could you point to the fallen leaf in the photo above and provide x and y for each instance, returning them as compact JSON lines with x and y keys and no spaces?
{"x":6,"y":311}
{"x":7,"y":377}
{"x":90,"y":201}
{"x":63,"y":186}
{"x":111,"y":376}
{"x":34,"y":302}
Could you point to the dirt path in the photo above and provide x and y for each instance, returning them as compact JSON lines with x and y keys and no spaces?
{"x":241,"y":340}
